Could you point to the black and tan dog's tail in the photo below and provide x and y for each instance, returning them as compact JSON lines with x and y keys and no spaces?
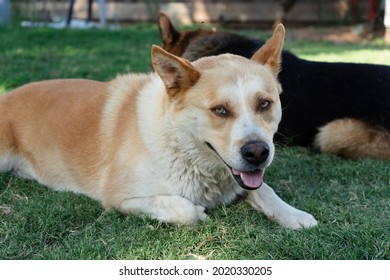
{"x":354,"y":139}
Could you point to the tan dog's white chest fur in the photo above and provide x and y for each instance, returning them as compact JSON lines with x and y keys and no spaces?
{"x":166,"y":145}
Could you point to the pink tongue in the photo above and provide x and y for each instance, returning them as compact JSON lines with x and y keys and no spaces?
{"x":252,"y":179}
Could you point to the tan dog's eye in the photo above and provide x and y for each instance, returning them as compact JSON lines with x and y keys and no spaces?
{"x":220,"y":111}
{"x":264,"y":105}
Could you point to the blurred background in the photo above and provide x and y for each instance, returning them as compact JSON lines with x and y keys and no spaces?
{"x":365,"y":18}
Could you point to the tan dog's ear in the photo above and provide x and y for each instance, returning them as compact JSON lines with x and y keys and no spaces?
{"x":270,"y":53}
{"x":177,"y":73}
{"x":169,"y":35}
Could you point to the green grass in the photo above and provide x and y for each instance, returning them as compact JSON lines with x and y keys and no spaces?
{"x":350,"y":199}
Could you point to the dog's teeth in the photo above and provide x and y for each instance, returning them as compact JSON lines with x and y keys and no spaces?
{"x":241,"y":176}
{"x":235,"y":171}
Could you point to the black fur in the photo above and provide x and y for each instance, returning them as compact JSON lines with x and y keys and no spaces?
{"x":314,"y":93}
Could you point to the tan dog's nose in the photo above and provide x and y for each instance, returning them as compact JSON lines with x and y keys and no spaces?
{"x":255,"y":152}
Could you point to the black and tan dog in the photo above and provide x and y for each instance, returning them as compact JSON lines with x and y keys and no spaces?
{"x":339,"y":108}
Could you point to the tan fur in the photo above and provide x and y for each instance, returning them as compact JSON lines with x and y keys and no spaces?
{"x":267,"y":55}
{"x":153,"y":144}
{"x":44,"y":121}
{"x":353,"y":139}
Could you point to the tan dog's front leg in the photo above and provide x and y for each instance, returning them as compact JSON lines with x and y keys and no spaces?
{"x":266,"y":201}
{"x":169,"y":209}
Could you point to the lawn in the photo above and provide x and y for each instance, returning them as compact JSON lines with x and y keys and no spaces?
{"x":350,"y":199}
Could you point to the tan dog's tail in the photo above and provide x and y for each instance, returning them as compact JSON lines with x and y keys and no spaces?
{"x":353,"y":139}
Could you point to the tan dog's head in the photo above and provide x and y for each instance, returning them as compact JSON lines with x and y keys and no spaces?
{"x":174,"y":41}
{"x":227,"y":105}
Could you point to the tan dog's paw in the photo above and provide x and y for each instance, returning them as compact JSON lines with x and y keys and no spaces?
{"x":295,"y":219}
{"x":180,"y":211}
{"x":202,"y":216}
{"x":266,"y":201}
{"x":167,"y":209}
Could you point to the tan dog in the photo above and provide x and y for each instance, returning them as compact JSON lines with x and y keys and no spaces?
{"x":166,"y":145}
